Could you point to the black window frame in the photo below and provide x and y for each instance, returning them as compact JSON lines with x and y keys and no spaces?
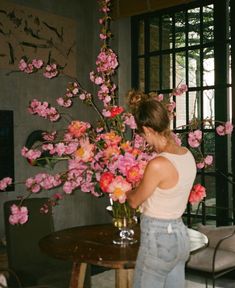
{"x":223,"y":173}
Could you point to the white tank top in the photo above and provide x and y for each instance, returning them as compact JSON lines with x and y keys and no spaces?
{"x":171,"y":203}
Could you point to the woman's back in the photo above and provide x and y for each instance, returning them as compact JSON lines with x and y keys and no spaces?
{"x":171,"y":203}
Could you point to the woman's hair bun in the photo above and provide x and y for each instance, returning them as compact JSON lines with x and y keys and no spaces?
{"x":135,"y":98}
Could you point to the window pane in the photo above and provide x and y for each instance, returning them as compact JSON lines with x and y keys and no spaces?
{"x":180,"y":36}
{"x":193,"y":98}
{"x":208,"y":23}
{"x":180,"y":110}
{"x":180,"y":68}
{"x":208,"y":67}
{"x":167,"y":71}
{"x":208,"y":105}
{"x":141,"y":74}
{"x":154,"y":73}
{"x":194,"y":26}
{"x":166,"y":32}
{"x":194,"y":68}
{"x":154,"y":33}
{"x":210,"y":183}
{"x":141,"y":38}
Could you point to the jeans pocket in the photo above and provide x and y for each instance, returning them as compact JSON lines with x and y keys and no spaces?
{"x":167,"y":247}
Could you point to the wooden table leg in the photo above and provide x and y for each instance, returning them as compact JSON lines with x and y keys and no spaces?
{"x":124,"y":278}
{"x":78,"y":275}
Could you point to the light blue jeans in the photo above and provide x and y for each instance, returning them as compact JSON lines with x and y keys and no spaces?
{"x":164,"y":249}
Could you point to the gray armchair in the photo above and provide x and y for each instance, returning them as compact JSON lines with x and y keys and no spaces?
{"x":218,"y":258}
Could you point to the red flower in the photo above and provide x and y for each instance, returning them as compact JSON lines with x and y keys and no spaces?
{"x":105,"y":179}
{"x":198,"y":192}
{"x":116,"y":110}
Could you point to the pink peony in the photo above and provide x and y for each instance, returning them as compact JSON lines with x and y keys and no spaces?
{"x":118,"y":188}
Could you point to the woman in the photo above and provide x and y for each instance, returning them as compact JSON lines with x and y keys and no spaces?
{"x":163,"y":195}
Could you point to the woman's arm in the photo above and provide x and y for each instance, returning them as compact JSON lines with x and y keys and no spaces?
{"x":151,"y":179}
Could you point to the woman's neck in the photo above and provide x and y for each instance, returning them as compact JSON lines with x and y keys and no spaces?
{"x":171,"y":147}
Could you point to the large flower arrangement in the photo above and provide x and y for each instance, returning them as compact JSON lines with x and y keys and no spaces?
{"x":108,"y":159}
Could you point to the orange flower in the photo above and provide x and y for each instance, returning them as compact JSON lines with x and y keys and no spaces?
{"x":78,"y":128}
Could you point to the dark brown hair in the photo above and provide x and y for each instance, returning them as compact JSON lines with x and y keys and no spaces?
{"x":148,"y":112}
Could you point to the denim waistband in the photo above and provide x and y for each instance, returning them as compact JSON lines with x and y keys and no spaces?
{"x":162,"y":225}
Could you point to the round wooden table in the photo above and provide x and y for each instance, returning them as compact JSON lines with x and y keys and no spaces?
{"x":93,"y":245}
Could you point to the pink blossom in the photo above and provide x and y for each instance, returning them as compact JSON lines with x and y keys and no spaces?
{"x":106,"y":113}
{"x":176,"y":138}
{"x":82,"y":96}
{"x":69,"y":186}
{"x":103,"y":36}
{"x":19,"y":215}
{"x":200,"y":165}
{"x":71,"y":148}
{"x":5,"y":182}
{"x":92,"y":76}
{"x":180,"y":90}
{"x":32,"y":185}
{"x":129,"y":120}
{"x":107,"y":99}
{"x":197,"y":193}
{"x":60,"y":148}
{"x":51,"y":71}
{"x":30,"y":154}
{"x":125,"y":162}
{"x":29,"y":69}
{"x":227,"y":128}
{"x":22,"y":65}
{"x":101,"y":21}
{"x":49,"y":136}
{"x":64,"y":102}
{"x":99,"y":80}
{"x":37,"y":63}
{"x":208,"y":160}
{"x":107,"y":61}
{"x":49,"y":147}
{"x":43,"y":110}
{"x":194,"y":139}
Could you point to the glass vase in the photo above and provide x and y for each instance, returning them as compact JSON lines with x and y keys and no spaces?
{"x":124,"y":219}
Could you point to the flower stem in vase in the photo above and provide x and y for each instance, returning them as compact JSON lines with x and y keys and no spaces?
{"x":124,"y":218}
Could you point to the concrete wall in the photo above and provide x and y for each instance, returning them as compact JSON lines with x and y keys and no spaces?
{"x":18,"y":89}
